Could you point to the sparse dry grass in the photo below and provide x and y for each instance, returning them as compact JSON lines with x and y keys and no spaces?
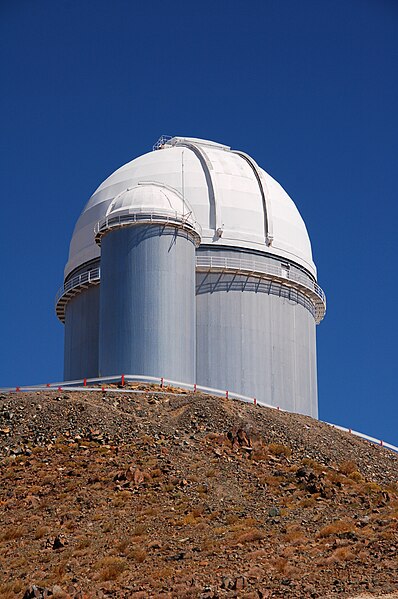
{"x":336,"y":527}
{"x":110,"y":567}
{"x":13,"y":532}
{"x":278,"y":449}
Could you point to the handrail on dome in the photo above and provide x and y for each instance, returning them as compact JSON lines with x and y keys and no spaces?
{"x":204,"y":264}
{"x":155,"y":217}
{"x":74,"y":286}
{"x":262,"y":269}
{"x":161,"y":142}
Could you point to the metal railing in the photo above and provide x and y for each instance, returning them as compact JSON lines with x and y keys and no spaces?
{"x":161,"y":142}
{"x":264,"y":269}
{"x":84,"y":385}
{"x":74,"y":286}
{"x":169,"y":217}
{"x":258,"y":268}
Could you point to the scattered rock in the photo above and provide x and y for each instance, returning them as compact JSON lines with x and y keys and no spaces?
{"x":35,"y":592}
{"x":57,"y":544}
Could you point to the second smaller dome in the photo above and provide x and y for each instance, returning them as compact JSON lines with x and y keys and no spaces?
{"x":149,"y":202}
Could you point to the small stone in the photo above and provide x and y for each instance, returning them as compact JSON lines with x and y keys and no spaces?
{"x":240,"y":583}
{"x":227,"y":583}
{"x":57,"y":543}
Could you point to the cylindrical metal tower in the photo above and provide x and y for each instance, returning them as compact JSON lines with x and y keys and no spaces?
{"x":255,"y":334}
{"x":147,"y":303}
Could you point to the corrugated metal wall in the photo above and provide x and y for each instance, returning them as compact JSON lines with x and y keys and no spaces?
{"x":81,"y":335}
{"x":257,"y":339}
{"x":147,"y":307}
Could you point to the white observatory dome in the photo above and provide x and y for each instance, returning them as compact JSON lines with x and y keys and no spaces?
{"x":150,"y":198}
{"x":151,"y":203}
{"x":236,"y":203}
{"x":190,"y":263}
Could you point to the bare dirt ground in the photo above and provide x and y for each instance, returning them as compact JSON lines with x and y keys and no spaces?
{"x":165,"y":495}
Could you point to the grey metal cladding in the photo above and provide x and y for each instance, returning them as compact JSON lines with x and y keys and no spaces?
{"x":147,"y":308}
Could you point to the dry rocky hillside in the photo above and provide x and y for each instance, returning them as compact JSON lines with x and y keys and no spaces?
{"x":183,"y":495}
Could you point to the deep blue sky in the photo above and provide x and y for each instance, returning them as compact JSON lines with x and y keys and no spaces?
{"x":309,"y":89}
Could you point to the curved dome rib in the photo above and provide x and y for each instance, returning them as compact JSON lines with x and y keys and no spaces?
{"x":236,"y":203}
{"x":268,"y":225}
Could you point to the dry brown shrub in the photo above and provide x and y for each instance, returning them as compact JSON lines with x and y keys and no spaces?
{"x":287,"y":551}
{"x":364,"y":556}
{"x":219,"y":530}
{"x":278,"y":450}
{"x":337,"y":478}
{"x":138,"y":554}
{"x":60,"y":569}
{"x":231,"y":518}
{"x":310,"y":463}
{"x":139,"y":529}
{"x":13,"y":532}
{"x":280,"y":564}
{"x":189,"y":519}
{"x":121,"y":498}
{"x":347,"y":467}
{"x":162,"y":573}
{"x":341,"y":554}
{"x":211,"y":473}
{"x":111,"y":567}
{"x":108,"y":526}
{"x":41,"y":531}
{"x":259,"y":454}
{"x":336,"y":527}
{"x":7,"y":590}
{"x":270,"y":481}
{"x":370,"y":487}
{"x":208,"y":544}
{"x":295,"y":536}
{"x":122,"y":545}
{"x":243,"y":523}
{"x":249,"y":536}
{"x":257,"y":554}
{"x":198,"y":511}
